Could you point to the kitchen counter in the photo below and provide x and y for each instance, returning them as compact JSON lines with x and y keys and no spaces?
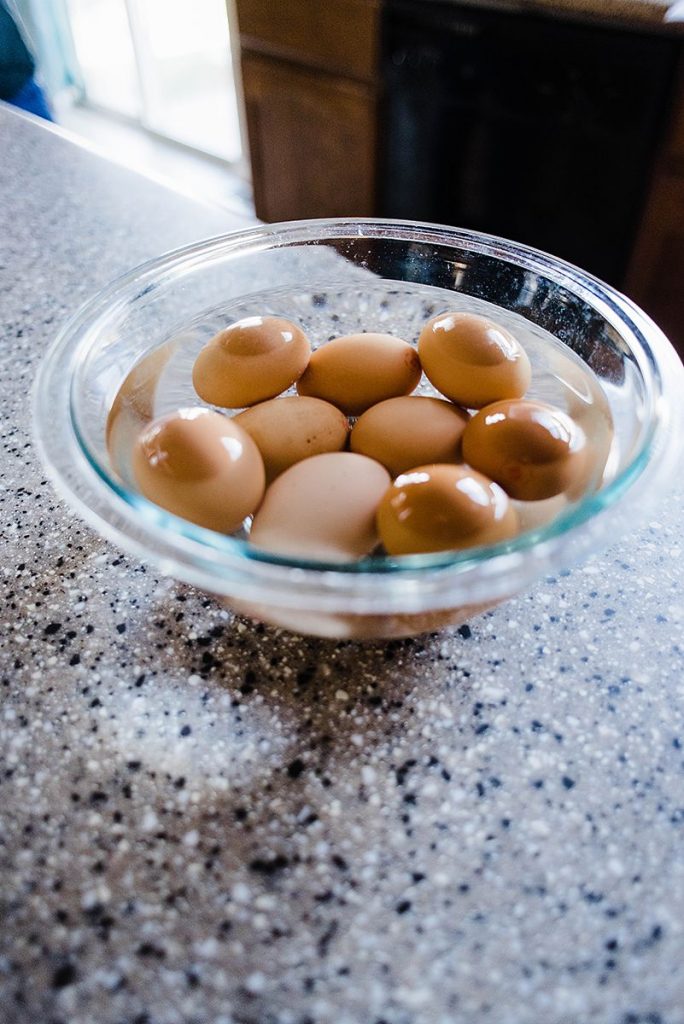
{"x":206,"y":821}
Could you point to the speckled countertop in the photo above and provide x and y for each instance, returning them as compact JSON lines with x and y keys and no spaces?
{"x":204,"y":821}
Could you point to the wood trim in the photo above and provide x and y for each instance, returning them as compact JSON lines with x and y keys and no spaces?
{"x":338,"y":36}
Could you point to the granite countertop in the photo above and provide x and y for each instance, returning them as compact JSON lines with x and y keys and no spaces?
{"x":206,"y":821}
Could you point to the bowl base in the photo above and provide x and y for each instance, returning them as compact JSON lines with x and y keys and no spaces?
{"x":345,"y":626}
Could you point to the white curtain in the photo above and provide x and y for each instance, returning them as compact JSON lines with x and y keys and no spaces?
{"x":45,"y":25}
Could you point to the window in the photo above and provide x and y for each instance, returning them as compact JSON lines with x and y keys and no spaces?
{"x":163,"y":63}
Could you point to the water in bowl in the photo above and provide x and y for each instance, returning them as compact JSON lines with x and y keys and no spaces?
{"x":161,"y":381}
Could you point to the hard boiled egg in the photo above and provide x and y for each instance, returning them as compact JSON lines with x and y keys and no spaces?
{"x":472,"y":360}
{"x":201,"y":466}
{"x":254,"y":359}
{"x":322,"y":508}
{"x":358,"y":370}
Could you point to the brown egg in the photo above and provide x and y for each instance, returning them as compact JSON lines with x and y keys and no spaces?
{"x":322,"y":508}
{"x":410,"y":431}
{"x":201,"y":466}
{"x":287,"y":430}
{"x":252,"y":360}
{"x":472,"y":360}
{"x":358,"y":370}
{"x":133,"y":405}
{"x":443,"y":508}
{"x":532,"y":449}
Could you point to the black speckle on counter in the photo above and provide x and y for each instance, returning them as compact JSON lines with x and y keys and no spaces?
{"x":64,"y":975}
{"x":295,"y":768}
{"x":268,"y":866}
{"x":403,"y":771}
{"x":149,"y":949}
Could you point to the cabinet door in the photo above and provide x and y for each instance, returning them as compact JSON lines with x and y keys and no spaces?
{"x":340,"y":38}
{"x":657,"y":268}
{"x":656,"y":271}
{"x":312,"y":141}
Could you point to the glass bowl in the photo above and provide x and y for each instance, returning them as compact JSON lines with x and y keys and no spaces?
{"x":126,"y":356}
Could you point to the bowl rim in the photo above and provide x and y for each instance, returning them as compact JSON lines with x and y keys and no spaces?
{"x":228,"y":566}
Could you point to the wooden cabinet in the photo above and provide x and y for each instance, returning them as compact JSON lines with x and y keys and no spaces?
{"x":311,"y":139}
{"x":336,"y":36}
{"x":309,"y":79}
{"x":655,"y":279}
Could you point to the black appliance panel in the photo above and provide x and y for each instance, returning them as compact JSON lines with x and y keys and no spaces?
{"x":530,"y":128}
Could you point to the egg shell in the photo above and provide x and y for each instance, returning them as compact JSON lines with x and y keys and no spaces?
{"x":472,"y":360}
{"x":443,"y":508}
{"x":533,"y":450}
{"x":590,"y":412}
{"x":201,"y":466}
{"x":409,"y":431}
{"x":252,"y":360}
{"x":357,"y":370}
{"x":322,"y":508}
{"x":287,"y":430}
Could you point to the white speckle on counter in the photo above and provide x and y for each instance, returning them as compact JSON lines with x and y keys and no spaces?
{"x":255,"y":982}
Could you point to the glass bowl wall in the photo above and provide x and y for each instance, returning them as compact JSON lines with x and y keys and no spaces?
{"x":143,"y":332}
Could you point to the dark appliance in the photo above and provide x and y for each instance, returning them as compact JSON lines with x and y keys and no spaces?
{"x":526,"y":126}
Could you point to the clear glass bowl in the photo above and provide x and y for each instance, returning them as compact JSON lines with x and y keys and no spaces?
{"x":139,"y":336}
